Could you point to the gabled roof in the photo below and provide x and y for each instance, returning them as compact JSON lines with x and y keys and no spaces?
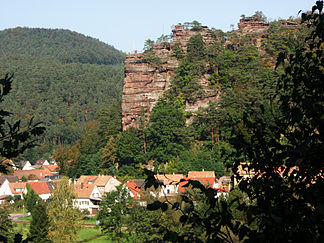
{"x":2,"y":180}
{"x":37,"y":173}
{"x":207,"y":182}
{"x":40,"y":187}
{"x":24,"y":163}
{"x":84,"y":190}
{"x":51,"y":168}
{"x":169,"y":179}
{"x":86,"y":179}
{"x":17,"y":185}
{"x":136,"y":191}
{"x":40,"y":162}
{"x":10,"y":179}
{"x":139,"y":183}
{"x":102,"y":180}
{"x":201,"y":174}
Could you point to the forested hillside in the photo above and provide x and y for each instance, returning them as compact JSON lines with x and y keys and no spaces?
{"x":241,"y":70}
{"x":64,"y":46}
{"x":62,"y":79}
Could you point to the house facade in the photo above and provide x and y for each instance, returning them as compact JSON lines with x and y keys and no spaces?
{"x":88,"y":198}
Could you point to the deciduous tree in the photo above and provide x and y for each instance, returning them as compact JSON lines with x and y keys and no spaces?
{"x":64,"y":217}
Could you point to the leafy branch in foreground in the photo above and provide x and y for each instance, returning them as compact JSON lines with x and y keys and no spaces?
{"x":14,"y":139}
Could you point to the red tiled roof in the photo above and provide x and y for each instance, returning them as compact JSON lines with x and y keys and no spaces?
{"x":136,"y":191}
{"x":201,"y":174}
{"x":37,"y":173}
{"x":51,"y":168}
{"x":102,"y":180}
{"x":205,"y":181}
{"x":17,"y":185}
{"x":40,"y":187}
{"x":84,"y":190}
{"x":86,"y":178}
{"x":169,"y":179}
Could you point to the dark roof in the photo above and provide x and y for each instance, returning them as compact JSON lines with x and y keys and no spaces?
{"x":40,"y":162}
{"x":140,"y":183}
{"x":51,"y":185}
{"x":11,"y":179}
{"x":23,"y":163}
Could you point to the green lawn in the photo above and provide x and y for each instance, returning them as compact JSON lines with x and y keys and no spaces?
{"x":90,"y":220}
{"x":27,"y":218}
{"x":86,"y":234}
{"x":92,"y":234}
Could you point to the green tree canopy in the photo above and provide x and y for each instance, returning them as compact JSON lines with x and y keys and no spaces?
{"x":64,"y":217}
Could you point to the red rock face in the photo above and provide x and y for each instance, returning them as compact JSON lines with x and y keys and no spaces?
{"x":145,"y":83}
{"x":252,"y":25}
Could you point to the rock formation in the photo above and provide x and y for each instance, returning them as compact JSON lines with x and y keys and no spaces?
{"x":145,"y":81}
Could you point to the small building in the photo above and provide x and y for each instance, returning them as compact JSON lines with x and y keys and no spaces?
{"x":41,"y":162}
{"x":25,"y":165}
{"x":17,"y":188}
{"x":134,"y":191}
{"x":88,"y":197}
{"x":170,"y":184}
{"x":42,"y":188}
{"x":105,"y":183}
{"x":53,"y":169}
{"x":31,"y":175}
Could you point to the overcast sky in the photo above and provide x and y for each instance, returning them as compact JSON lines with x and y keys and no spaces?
{"x":126,"y":24}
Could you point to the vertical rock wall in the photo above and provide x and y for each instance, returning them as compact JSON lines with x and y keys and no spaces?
{"x":145,"y":83}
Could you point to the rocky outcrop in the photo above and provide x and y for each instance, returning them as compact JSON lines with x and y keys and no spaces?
{"x":147,"y":79}
{"x":145,"y":82}
{"x":252,"y":25}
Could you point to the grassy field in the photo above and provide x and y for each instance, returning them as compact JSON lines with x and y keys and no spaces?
{"x":86,"y":234}
{"x":92,"y":234}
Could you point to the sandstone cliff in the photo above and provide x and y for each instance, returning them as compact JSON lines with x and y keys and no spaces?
{"x":145,"y":82}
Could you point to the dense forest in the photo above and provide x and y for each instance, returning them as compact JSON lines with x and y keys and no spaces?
{"x":62,"y":79}
{"x":244,"y":73}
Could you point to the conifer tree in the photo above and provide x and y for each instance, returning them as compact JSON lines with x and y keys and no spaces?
{"x":30,"y":198}
{"x":40,"y":222}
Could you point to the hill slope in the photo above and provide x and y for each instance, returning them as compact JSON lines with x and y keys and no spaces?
{"x":61,"y":78}
{"x":62,"y":45}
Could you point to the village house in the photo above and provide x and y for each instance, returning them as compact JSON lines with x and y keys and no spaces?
{"x":26,"y":165}
{"x":53,"y":169}
{"x":32,"y":175}
{"x":4,"y":186}
{"x":17,"y":188}
{"x":133,"y":190}
{"x":42,"y":188}
{"x":88,"y":197}
{"x":105,"y":183}
{"x":41,"y":162}
{"x":170,"y":184}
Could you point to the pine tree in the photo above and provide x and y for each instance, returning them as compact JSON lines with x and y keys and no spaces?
{"x":40,"y":222}
{"x":30,"y":198}
{"x":6,"y":228}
